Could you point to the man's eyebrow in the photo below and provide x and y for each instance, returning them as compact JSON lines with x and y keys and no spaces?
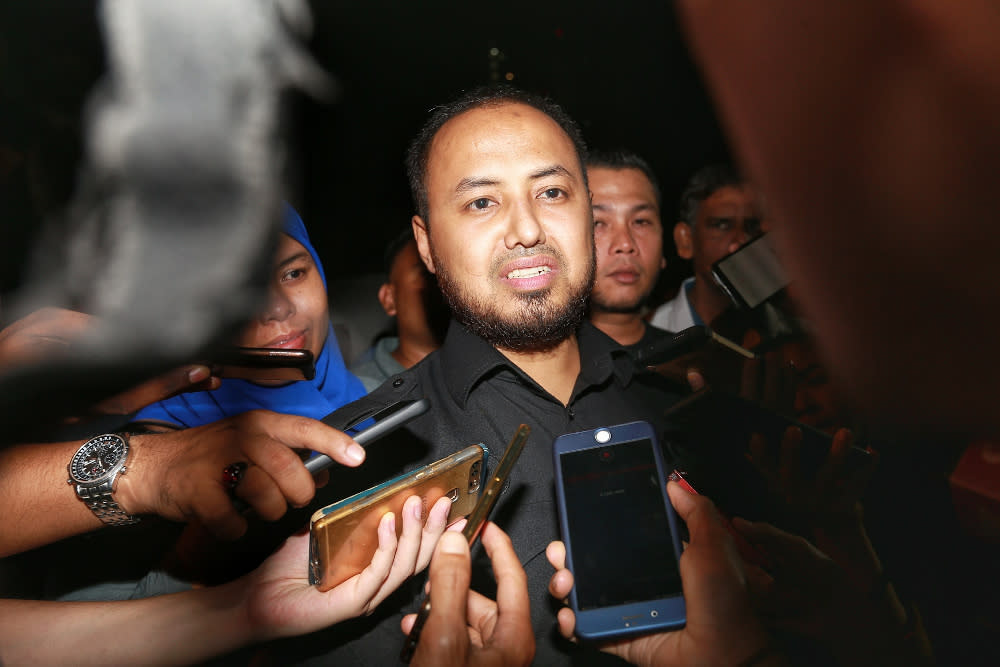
{"x":638,"y":208}
{"x":554,"y":170}
{"x":467,"y":184}
{"x":294,"y":258}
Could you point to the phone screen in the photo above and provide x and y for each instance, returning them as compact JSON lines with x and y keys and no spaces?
{"x":753,"y":272}
{"x":619,"y":530}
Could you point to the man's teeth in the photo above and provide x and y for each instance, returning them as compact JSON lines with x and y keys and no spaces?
{"x":528,"y":273}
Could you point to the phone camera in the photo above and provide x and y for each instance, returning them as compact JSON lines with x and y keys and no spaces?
{"x":654,"y":613}
{"x":602,"y":436}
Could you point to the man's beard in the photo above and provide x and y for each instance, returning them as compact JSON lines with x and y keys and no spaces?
{"x":538,"y":325}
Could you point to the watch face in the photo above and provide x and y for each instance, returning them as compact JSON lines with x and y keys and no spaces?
{"x":97,"y":458}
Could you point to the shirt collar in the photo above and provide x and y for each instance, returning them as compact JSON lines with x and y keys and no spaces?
{"x":467,"y":359}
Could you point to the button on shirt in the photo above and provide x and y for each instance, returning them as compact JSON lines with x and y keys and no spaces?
{"x":478,"y":396}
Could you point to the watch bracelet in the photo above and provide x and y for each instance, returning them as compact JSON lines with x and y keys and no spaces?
{"x":101,"y":503}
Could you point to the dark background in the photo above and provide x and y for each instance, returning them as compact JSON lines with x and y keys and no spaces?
{"x":620,"y":68}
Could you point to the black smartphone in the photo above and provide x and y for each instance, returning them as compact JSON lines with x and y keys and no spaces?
{"x":710,"y":432}
{"x":718,"y":358}
{"x":752,"y":273}
{"x":621,"y":532}
{"x":383,"y":422}
{"x":260,"y":364}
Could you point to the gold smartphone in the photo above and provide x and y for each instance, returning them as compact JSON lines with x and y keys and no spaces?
{"x":343,"y":536}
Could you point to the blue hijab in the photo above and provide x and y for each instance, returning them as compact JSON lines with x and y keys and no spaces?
{"x":332,"y":387}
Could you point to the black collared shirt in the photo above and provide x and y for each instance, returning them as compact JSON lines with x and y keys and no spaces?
{"x":478,"y":396}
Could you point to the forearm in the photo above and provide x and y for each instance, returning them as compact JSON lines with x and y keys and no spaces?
{"x":41,"y":506}
{"x":181,"y":628}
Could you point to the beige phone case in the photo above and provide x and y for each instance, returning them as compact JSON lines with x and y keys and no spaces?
{"x":343,"y":536}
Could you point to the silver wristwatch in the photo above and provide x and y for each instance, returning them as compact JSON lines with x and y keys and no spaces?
{"x":94,"y":469}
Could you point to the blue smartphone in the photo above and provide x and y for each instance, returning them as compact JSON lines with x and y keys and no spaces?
{"x":620,"y":530}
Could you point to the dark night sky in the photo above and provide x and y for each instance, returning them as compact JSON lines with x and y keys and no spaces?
{"x":620,"y":68}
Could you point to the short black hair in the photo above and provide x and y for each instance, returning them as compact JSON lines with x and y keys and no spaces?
{"x":395,"y":246}
{"x":703,"y":184}
{"x":622,"y":158}
{"x":484,"y":96}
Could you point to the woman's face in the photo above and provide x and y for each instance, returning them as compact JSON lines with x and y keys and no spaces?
{"x":296,"y":315}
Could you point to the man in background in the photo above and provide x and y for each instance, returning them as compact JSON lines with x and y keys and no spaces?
{"x":719,"y":213}
{"x":628,"y":237}
{"x":410,"y":295}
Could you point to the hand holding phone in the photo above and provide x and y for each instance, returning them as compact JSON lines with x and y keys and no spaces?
{"x":718,"y":359}
{"x":483,"y":630}
{"x":620,"y":532}
{"x":721,"y":628}
{"x":712,"y":433}
{"x":477,"y":519}
{"x":344,"y":535}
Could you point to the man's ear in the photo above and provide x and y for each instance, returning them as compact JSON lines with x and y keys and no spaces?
{"x":423,"y":243}
{"x":387,"y":297}
{"x":683,"y":240}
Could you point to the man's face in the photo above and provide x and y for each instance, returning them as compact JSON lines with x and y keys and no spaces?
{"x":510,"y":233}
{"x":726,"y":219}
{"x":628,"y":236}
{"x":411,"y":295}
{"x":296,"y":315}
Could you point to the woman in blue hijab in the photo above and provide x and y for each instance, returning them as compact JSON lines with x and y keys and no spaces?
{"x":296,"y":317}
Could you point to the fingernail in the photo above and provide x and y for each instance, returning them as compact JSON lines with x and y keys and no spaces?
{"x":418,"y":510}
{"x":356,"y":453}
{"x":453,"y":543}
{"x":199,"y":373}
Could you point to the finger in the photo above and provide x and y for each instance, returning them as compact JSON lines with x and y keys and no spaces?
{"x":216,"y":511}
{"x":704,"y":523}
{"x":437,"y":519}
{"x":284,"y":465}
{"x":567,"y":623}
{"x":783,"y":547}
{"x":760,"y":586}
{"x":832,"y":470}
{"x":760,"y":456}
{"x":695,"y":379}
{"x":404,"y":563}
{"x":513,"y":627}
{"x":304,"y":433}
{"x":561,"y":584}
{"x":479,"y":608}
{"x":260,"y":491}
{"x":371,"y":581}
{"x":556,"y":554}
{"x":444,"y":639}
